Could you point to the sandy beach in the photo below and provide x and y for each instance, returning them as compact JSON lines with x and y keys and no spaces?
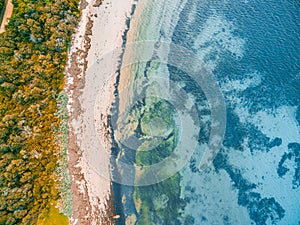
{"x":90,"y":78}
{"x":7,"y":15}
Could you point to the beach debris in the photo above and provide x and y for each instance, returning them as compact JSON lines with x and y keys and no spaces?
{"x":116,"y":216}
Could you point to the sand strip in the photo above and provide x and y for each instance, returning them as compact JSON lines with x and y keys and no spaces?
{"x":89,"y":85}
{"x":7,"y":14}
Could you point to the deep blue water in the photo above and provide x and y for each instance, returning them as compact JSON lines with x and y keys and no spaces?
{"x":270,"y":31}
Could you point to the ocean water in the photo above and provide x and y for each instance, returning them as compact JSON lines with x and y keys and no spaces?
{"x":251,"y":48}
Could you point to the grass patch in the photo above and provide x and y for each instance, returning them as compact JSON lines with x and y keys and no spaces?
{"x":53,"y":217}
{"x":62,"y":169}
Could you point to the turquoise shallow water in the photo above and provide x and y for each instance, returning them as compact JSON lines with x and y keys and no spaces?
{"x":252,"y":49}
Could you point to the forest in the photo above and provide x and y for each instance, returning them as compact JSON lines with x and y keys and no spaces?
{"x":1,"y":4}
{"x":33,"y":54}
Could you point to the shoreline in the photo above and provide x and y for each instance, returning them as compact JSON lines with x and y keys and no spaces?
{"x":100,"y":30}
{"x":74,"y":81}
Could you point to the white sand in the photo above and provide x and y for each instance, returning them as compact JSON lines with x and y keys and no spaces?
{"x":7,"y":15}
{"x":107,"y":31}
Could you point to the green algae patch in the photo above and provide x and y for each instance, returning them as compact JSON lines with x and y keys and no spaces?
{"x":160,"y":203}
{"x":158,"y":119}
{"x":158,"y":132}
